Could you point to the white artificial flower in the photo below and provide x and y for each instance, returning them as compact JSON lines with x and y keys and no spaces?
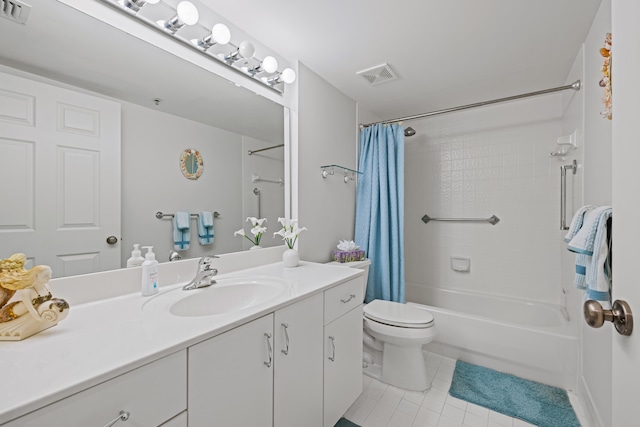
{"x":289,"y":231}
{"x":240,"y":232}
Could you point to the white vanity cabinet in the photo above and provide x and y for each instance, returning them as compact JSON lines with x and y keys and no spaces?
{"x":343,"y":348}
{"x":298,"y":378}
{"x":151,"y":395}
{"x":263,"y":373}
{"x":231,"y":377}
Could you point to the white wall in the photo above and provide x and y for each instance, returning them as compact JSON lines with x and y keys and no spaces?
{"x":152,"y":143}
{"x":596,"y":366}
{"x":326,"y":135}
{"x":478,"y":163}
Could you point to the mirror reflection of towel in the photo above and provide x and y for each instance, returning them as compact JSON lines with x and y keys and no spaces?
{"x":205,"y":228}
{"x":181,"y":231}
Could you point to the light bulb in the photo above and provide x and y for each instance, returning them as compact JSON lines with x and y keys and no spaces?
{"x":269,"y":64}
{"x":221,"y":34}
{"x":187,"y":13}
{"x":246,"y":49}
{"x":288,"y":76}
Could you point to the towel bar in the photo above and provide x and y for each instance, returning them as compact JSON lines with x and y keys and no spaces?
{"x":493,"y":220}
{"x":161,"y":215}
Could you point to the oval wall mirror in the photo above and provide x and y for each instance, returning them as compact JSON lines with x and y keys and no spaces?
{"x":191,"y":163}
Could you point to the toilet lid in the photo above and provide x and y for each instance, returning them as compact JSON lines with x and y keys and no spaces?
{"x":397,"y":314}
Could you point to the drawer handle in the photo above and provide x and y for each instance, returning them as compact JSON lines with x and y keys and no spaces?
{"x":352,"y":296}
{"x":286,"y":339}
{"x":268,"y":364}
{"x":122,"y":416}
{"x":333,"y":345}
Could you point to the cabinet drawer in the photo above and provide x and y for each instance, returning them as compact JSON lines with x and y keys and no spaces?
{"x":151,"y":394}
{"x":342,"y":298}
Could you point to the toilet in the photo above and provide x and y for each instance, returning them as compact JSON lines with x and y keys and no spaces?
{"x":393,"y":336}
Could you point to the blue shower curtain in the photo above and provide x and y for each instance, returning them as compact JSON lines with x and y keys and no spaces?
{"x":380,"y":209}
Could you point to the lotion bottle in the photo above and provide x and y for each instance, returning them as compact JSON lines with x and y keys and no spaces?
{"x":149,"y":273}
{"x":136,"y":259}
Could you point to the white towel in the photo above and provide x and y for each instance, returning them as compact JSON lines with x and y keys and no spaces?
{"x":581,"y":259}
{"x":181,"y":231}
{"x":577,"y":221}
{"x":590,"y":243}
{"x":205,"y":228}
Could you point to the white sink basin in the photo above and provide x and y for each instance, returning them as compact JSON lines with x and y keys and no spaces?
{"x":227,"y":295}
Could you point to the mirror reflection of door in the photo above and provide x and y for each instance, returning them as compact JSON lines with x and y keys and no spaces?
{"x":60,"y":163}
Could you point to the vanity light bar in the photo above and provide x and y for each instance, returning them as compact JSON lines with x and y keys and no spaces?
{"x":237,"y":58}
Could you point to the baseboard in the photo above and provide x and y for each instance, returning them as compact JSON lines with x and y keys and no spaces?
{"x":588,"y":405}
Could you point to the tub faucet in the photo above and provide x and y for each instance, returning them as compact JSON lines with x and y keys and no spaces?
{"x":204,"y":274}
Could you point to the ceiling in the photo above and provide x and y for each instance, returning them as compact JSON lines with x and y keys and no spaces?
{"x":446,"y":53}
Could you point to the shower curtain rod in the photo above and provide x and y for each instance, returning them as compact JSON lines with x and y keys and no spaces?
{"x":575,"y":86}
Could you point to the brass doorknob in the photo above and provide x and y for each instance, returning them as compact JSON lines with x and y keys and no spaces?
{"x":112,"y":240}
{"x":620,"y":315}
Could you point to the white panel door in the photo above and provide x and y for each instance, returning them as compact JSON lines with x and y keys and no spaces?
{"x":60,"y":174}
{"x":297,"y":383}
{"x":626,"y":208}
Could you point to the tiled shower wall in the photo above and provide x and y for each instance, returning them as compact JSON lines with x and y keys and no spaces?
{"x":477,"y":163}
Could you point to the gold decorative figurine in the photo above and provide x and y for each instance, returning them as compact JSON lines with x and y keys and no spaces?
{"x":26,"y":304}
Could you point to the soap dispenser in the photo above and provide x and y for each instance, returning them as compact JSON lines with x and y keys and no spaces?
{"x":136,"y":259}
{"x":149,"y":273}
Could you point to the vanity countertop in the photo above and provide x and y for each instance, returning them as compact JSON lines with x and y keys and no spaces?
{"x":102,"y":339}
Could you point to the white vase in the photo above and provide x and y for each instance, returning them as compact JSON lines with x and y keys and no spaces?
{"x":255,"y":247}
{"x":290,"y":258}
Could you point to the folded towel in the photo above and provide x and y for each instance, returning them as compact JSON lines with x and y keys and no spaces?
{"x":181,"y":232}
{"x":590,"y":242}
{"x":205,"y":228}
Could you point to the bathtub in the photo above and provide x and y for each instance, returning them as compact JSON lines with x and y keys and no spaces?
{"x":530,"y":340}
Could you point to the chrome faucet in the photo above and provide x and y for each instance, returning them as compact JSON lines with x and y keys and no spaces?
{"x":174,"y":255}
{"x":204,"y":275}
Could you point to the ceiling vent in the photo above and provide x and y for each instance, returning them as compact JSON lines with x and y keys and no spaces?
{"x":378,"y":74}
{"x":15,"y":10}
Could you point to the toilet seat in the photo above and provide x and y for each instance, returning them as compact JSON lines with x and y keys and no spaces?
{"x":398,"y":314}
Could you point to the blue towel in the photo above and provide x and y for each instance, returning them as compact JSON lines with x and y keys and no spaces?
{"x":205,"y":228}
{"x":590,"y":243}
{"x":581,"y":259}
{"x":181,"y":232}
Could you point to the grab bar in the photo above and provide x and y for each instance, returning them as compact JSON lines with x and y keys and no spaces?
{"x":563,"y":192}
{"x":493,"y":220}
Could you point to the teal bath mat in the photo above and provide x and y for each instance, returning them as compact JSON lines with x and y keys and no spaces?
{"x":536,"y":403}
{"x":343,"y":422}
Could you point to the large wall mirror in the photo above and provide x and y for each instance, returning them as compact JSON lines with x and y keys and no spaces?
{"x":165,"y":105}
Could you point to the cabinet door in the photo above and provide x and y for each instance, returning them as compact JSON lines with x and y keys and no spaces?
{"x":298,"y":364}
{"x":342,"y":364}
{"x":231,"y":377}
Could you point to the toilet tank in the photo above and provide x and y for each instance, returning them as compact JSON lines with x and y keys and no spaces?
{"x":362,"y":265}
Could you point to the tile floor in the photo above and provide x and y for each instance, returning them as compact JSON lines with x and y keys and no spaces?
{"x":381,"y":405}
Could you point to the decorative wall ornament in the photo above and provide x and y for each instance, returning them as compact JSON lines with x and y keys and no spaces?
{"x":191,"y":163}
{"x":605,"y":82}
